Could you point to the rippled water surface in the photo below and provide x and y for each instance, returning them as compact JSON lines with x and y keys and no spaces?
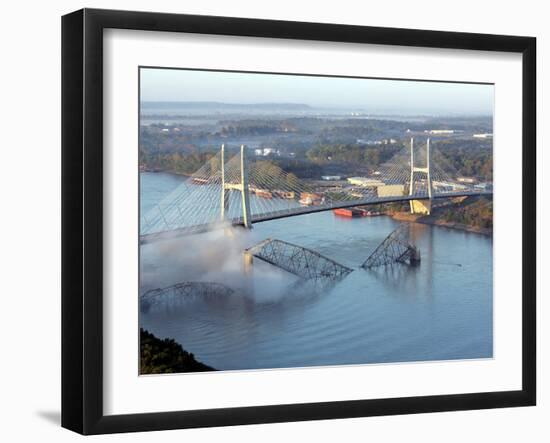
{"x":442,"y":309}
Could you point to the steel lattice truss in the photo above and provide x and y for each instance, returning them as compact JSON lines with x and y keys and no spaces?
{"x":176,"y":294}
{"x":394,"y":249}
{"x":302,"y":262}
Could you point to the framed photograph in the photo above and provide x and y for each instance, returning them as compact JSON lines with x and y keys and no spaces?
{"x":269,"y":221}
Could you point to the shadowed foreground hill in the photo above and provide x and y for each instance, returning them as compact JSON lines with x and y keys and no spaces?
{"x":166,"y":356}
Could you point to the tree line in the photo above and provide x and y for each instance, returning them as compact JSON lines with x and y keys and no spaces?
{"x":478,"y":214}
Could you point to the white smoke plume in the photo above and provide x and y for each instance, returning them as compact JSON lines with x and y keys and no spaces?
{"x":214,"y":256}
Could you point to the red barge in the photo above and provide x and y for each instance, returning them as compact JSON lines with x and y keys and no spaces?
{"x":355,"y":212}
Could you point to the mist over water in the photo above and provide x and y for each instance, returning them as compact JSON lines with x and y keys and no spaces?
{"x":441,"y":310}
{"x":215,"y":256}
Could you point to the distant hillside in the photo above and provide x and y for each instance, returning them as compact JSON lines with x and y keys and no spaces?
{"x":220,"y":106}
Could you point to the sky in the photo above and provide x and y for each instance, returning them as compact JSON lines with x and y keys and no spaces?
{"x":371,"y":95}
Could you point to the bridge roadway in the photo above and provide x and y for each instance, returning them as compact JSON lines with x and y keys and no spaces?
{"x":198,"y":229}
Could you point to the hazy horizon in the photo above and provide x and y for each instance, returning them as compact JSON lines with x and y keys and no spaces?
{"x":317,"y":92}
{"x":375,"y":113}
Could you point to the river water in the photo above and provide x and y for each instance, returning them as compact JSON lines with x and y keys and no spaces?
{"x":440,"y":310}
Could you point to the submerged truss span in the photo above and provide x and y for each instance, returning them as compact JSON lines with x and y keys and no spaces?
{"x":302,"y":262}
{"x":175,"y":294}
{"x":394,"y":249}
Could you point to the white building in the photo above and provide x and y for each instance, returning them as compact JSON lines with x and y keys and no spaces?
{"x":266,"y":151}
{"x":365,"y":182}
{"x":361,"y":141}
{"x":440,"y":131}
{"x":448,"y":186}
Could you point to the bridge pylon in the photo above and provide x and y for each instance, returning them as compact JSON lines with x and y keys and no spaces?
{"x":225,"y":192}
{"x":243,"y":187}
{"x":421,"y":206}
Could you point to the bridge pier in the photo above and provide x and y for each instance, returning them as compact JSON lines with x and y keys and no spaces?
{"x":248,"y":260}
{"x":421,"y":206}
{"x":414,"y":257}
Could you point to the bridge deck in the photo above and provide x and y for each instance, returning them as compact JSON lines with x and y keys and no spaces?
{"x":197,"y":229}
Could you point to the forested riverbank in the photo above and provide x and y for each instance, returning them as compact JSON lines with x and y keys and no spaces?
{"x":166,"y":356}
{"x":471,"y":215}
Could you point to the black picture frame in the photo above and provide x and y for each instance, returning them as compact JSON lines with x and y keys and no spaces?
{"x":82,"y":218}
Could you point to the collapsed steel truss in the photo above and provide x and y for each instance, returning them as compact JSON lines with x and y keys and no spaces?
{"x":394,"y":249}
{"x":302,"y":262}
{"x":177,"y":293}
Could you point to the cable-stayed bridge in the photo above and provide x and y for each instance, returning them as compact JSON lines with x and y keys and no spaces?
{"x":235,"y":190}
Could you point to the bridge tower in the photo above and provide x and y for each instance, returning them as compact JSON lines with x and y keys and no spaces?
{"x":225,"y":192}
{"x":242,"y":187}
{"x":421,"y":206}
